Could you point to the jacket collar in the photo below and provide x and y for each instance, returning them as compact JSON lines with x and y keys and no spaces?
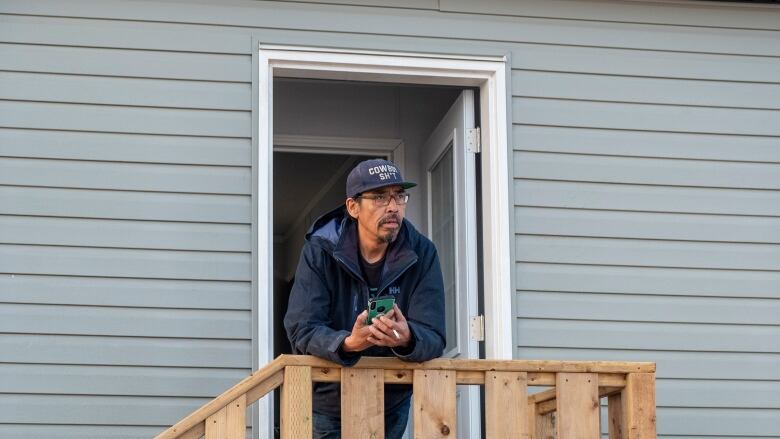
{"x":399,"y":257}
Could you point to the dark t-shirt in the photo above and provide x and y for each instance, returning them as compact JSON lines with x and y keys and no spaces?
{"x":373,"y":273}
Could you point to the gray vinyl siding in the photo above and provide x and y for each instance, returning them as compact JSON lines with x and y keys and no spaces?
{"x":646,"y":189}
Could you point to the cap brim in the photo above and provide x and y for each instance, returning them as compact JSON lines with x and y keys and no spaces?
{"x":403,"y":184}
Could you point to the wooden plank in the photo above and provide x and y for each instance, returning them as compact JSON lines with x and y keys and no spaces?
{"x":578,"y":406}
{"x":638,"y":406}
{"x":435,"y":408}
{"x":615,"y":416}
{"x":229,"y":422}
{"x":545,"y":426}
{"x":550,"y":405}
{"x":362,"y":403}
{"x":195,"y":432}
{"x":506,"y":405}
{"x":264,"y":387}
{"x":296,"y":406}
{"x":468,"y":377}
{"x":481,"y":365}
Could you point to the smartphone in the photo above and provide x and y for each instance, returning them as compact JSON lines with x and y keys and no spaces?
{"x":379,"y":306}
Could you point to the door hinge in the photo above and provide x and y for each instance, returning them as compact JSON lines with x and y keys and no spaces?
{"x":477,"y":328}
{"x":473,"y":140}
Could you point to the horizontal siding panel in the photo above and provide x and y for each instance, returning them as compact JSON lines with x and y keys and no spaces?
{"x":125,"y":205}
{"x":117,"y":380}
{"x":646,"y":143}
{"x":645,"y":225}
{"x":144,"y":148}
{"x":645,"y":117}
{"x":708,"y":393}
{"x":581,"y":195}
{"x":673,"y":364}
{"x":645,"y":90}
{"x":75,"y":261}
{"x":58,"y":31}
{"x":125,"y":63}
{"x":423,"y":23}
{"x":124,"y":234}
{"x":95,"y":410}
{"x":125,"y":176}
{"x":647,"y":280}
{"x":617,"y":307}
{"x":102,"y":118}
{"x":643,"y":253}
{"x":125,"y":322}
{"x":603,"y":169}
{"x":125,"y":351}
{"x":725,"y":422}
{"x":656,"y":336}
{"x":148,"y":293}
{"x":28,"y":431}
{"x":125,"y":91}
{"x":571,"y":59}
{"x":764,"y":17}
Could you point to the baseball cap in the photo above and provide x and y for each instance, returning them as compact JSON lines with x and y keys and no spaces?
{"x":372,"y":174}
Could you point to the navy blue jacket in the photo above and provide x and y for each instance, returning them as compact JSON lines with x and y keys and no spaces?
{"x":330,"y":291}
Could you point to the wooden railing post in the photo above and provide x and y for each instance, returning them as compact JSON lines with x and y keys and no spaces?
{"x":615,"y":410}
{"x":363,"y":403}
{"x":435,"y":408}
{"x":229,"y":422}
{"x":578,"y":405}
{"x":506,"y":405}
{"x":638,"y":406}
{"x":296,"y":416}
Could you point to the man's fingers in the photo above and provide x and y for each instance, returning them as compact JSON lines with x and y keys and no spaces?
{"x":398,"y":314}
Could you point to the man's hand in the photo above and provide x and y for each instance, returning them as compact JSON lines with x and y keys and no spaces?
{"x":390,"y":330}
{"x":358,"y":340}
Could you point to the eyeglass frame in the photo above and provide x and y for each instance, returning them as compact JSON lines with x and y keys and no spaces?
{"x":396,"y":197}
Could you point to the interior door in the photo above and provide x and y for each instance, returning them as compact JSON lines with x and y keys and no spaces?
{"x":451,"y":208}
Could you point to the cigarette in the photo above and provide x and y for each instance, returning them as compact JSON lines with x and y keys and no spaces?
{"x":396,"y":334}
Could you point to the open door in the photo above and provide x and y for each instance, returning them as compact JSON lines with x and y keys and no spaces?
{"x":451,"y":205}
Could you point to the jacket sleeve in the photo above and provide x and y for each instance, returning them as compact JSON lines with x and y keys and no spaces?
{"x":425,"y":314}
{"x":307,"y":321}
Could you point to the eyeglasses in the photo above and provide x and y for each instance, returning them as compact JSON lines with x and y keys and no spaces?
{"x":382,"y":200}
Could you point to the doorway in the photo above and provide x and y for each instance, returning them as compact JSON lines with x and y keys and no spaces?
{"x":390,"y":73}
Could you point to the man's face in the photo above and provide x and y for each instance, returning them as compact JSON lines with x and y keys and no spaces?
{"x":375,"y":221}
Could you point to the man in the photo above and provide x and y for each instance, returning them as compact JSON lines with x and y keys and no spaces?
{"x":358,"y":251}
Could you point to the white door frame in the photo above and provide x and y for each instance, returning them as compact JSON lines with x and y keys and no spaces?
{"x":489,"y":74}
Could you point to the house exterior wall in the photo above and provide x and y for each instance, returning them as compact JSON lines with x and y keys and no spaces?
{"x":646,"y":188}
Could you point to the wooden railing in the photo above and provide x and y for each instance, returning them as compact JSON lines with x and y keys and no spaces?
{"x":570,"y":409}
